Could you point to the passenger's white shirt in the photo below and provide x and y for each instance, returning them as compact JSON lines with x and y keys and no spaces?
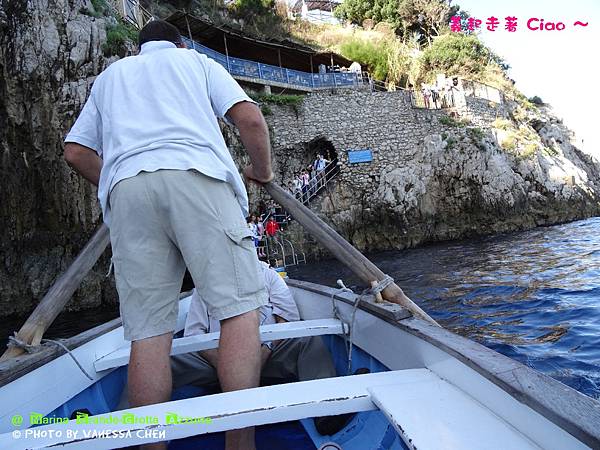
{"x":281,"y":303}
{"x":158,"y":110}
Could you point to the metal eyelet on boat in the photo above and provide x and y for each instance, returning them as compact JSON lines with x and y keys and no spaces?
{"x":330,"y":446}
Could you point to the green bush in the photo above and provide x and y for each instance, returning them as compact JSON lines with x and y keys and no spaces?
{"x":452,"y":122}
{"x":99,"y":8}
{"x":450,"y":143}
{"x":374,"y":55}
{"x":260,"y":17}
{"x":117,"y":38}
{"x":475,"y":133}
{"x":529,"y":150}
{"x":278,"y":99}
{"x":456,"y":54}
{"x":424,"y":18}
{"x":266,"y":110}
{"x":253,"y":7}
{"x":502,"y":124}
{"x":357,"y":11}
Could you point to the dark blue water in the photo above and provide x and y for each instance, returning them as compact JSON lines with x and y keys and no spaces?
{"x":533,"y":296}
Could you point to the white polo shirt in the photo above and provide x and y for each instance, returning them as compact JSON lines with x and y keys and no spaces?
{"x":281,"y":303}
{"x":158,"y":110}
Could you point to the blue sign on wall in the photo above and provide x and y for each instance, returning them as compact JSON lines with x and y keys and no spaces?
{"x":359,"y":156}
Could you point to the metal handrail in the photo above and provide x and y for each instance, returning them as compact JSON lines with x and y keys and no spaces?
{"x":329,"y":172}
{"x":333,"y":166}
{"x":266,"y":72}
{"x":293,"y":255}
{"x":298,"y":261}
{"x":133,"y":12}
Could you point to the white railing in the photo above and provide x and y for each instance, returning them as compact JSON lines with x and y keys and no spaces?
{"x":318,"y":182}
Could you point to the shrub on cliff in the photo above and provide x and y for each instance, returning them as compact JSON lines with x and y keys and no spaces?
{"x":264,"y":100}
{"x":119,"y":38}
{"x":99,"y":8}
{"x":455,"y":54}
{"x":258,"y":17}
{"x":373,"y":54}
{"x":427,"y":18}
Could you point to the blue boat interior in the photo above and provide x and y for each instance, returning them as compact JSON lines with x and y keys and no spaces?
{"x":366,"y":431}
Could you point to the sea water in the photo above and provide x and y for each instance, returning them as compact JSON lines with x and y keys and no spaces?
{"x":533,"y":296}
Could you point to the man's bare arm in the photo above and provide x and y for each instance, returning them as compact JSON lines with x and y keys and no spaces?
{"x":84,"y":160}
{"x":255,"y":136}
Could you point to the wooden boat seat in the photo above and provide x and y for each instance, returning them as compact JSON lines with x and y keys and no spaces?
{"x":428,"y":412}
{"x":207,"y":341}
{"x":433,"y":414}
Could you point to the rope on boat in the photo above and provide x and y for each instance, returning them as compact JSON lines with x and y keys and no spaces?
{"x":348,"y":327}
{"x":14,"y":341}
{"x":348,"y":335}
{"x":380,"y":286}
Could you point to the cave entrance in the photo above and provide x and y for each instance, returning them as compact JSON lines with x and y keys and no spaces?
{"x":301,"y":173}
{"x":322,"y":146}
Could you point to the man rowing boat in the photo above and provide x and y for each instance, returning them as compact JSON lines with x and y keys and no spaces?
{"x":149,"y":138}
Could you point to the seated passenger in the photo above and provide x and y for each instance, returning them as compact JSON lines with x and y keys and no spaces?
{"x":287,"y":360}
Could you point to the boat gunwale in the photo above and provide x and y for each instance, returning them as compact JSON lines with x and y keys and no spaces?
{"x":18,"y":366}
{"x":14,"y":368}
{"x":574,"y":412}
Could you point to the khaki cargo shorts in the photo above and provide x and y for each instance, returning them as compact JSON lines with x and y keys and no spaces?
{"x":166,"y":220}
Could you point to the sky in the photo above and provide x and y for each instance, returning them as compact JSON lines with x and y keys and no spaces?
{"x":561,"y":67}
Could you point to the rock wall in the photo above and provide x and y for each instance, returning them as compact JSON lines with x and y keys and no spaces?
{"x":433,"y":177}
{"x":49,"y":56}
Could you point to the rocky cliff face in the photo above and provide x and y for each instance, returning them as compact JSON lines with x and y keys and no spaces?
{"x":494,"y":168}
{"x":49,"y":55}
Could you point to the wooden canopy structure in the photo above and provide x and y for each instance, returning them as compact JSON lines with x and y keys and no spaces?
{"x":233,"y":43}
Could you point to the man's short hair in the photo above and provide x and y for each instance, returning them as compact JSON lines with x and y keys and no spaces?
{"x":159,"y":30}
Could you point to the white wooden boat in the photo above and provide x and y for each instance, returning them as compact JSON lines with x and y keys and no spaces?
{"x":428,"y":389}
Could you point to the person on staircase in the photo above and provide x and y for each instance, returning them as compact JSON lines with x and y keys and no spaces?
{"x":251,"y":221}
{"x":272,"y":227}
{"x":320,"y":165}
{"x":305,"y":179}
{"x":261,"y":236}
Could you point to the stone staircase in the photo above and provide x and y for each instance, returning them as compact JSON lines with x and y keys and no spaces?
{"x":280,"y":250}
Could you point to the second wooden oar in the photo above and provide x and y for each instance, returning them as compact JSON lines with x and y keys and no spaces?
{"x":60,"y":293}
{"x":341,"y":249}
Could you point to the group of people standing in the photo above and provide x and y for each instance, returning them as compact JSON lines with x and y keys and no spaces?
{"x":437,"y":96}
{"x":262,"y":231}
{"x":307,"y":182}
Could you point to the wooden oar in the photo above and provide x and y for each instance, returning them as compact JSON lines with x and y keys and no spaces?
{"x":60,"y":293}
{"x":341,"y":249}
